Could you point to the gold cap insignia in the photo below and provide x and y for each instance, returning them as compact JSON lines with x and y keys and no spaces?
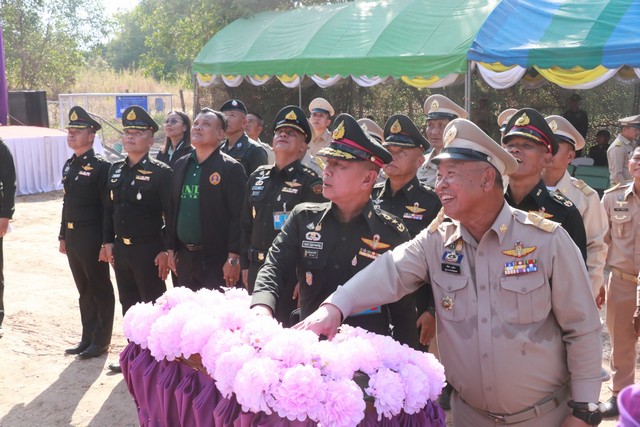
{"x":291,"y":116}
{"x":523,"y":120}
{"x":554,"y":126}
{"x":132,"y":115}
{"x":338,"y":133}
{"x":73,"y":116}
{"x":396,"y":128}
{"x":435,"y":105}
{"x":451,"y":135}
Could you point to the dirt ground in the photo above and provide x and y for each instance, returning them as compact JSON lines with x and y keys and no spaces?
{"x":39,"y":384}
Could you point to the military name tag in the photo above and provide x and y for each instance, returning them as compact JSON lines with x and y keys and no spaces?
{"x":372,"y":310}
{"x":257,"y":188}
{"x":143,"y":178}
{"x":289,"y":190}
{"x":308,"y":253}
{"x":279,"y":218}
{"x":450,"y":268}
{"x":312,"y":245}
{"x":621,"y":209}
{"x":84,"y":173}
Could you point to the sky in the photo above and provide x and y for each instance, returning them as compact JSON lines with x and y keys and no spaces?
{"x":113,"y":6}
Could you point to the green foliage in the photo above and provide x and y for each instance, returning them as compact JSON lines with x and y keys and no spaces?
{"x":45,"y":40}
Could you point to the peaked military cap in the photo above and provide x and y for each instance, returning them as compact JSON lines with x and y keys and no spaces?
{"x":136,"y":117}
{"x":292,"y":116}
{"x":529,"y":123}
{"x":321,"y":105}
{"x":372,"y":129}
{"x":234,"y":105}
{"x":464,"y":140}
{"x":351,"y":143}
{"x":80,"y":119}
{"x":441,"y":107}
{"x":504,"y":117}
{"x":400,"y":131}
{"x":633,"y":121}
{"x":565,"y":132}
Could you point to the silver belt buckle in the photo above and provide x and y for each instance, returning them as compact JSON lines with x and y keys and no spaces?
{"x":496,"y":418}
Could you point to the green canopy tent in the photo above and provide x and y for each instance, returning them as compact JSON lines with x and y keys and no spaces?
{"x":422,"y":42}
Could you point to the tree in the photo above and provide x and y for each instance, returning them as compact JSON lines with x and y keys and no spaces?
{"x":45,"y":40}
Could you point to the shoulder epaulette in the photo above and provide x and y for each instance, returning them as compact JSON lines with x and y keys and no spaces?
{"x":617,"y":143}
{"x":436,"y":222}
{"x":427,"y":188}
{"x":159,"y":163}
{"x":310,"y":172}
{"x":391,"y":220}
{"x":378,"y":184}
{"x":263,"y":167}
{"x":582,"y":186}
{"x":559,"y":198}
{"x":536,"y":220}
{"x":615,"y":187}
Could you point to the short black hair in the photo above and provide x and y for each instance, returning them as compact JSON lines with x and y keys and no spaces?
{"x":604,"y":132}
{"x":258,"y":116}
{"x":218,"y":114}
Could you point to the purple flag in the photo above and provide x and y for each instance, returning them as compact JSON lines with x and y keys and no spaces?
{"x":4,"y":95}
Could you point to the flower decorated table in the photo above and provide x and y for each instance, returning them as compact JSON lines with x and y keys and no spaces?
{"x":205,"y":359}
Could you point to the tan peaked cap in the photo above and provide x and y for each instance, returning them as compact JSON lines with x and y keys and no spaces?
{"x":504,"y":117}
{"x":565,"y":132}
{"x":630,"y":121}
{"x":464,"y":140}
{"x":372,"y":129}
{"x":440,"y":107}
{"x":322,"y":105}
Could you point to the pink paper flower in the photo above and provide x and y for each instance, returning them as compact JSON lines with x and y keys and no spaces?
{"x":433,"y":370}
{"x":416,"y":388}
{"x":259,"y":330}
{"x":343,"y":405}
{"x":291,"y":347}
{"x":196,"y":332}
{"x":138,"y":320}
{"x":164,"y":338}
{"x":300,"y":394}
{"x":256,"y":380}
{"x":228,"y":365}
{"x":174,"y":296}
{"x":222,"y":341}
{"x":388,"y":391}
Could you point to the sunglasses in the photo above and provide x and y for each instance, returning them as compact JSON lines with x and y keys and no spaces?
{"x":172,"y":121}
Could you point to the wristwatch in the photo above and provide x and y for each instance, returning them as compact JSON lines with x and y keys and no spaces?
{"x":234,"y":261}
{"x":589,"y":412}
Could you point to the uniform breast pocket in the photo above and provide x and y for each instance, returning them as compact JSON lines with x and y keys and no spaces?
{"x":139,"y":190}
{"x":620,"y":222}
{"x":451,"y":294}
{"x":525,"y":299}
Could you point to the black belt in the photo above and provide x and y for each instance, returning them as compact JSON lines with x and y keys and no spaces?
{"x":256,"y":255}
{"x":136,"y":240}
{"x":192,"y":247}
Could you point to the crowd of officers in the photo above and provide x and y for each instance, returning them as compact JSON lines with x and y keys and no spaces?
{"x":213,"y":211}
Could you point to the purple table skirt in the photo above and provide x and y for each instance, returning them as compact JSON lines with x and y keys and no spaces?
{"x":169,"y":394}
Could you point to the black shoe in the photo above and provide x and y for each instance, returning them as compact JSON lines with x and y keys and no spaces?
{"x":82,"y":346}
{"x":611,"y":406}
{"x":445,"y":398}
{"x":115,"y":368}
{"x":93,"y":351}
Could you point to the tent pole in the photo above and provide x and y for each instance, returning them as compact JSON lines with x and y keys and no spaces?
{"x":467,"y":90}
{"x":300,"y":92}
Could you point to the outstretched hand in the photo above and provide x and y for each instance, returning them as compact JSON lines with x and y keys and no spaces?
{"x":324,"y":321}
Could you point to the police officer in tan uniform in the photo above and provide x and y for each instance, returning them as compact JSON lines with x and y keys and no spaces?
{"x":622,"y":205}
{"x":440,"y":110}
{"x":320,"y":115}
{"x":514,"y":350}
{"x":620,"y":150}
{"x":557,"y":178}
{"x":503,"y":119}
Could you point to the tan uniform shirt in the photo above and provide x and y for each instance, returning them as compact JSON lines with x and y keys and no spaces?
{"x":314,"y":163}
{"x":506,"y":341}
{"x":594,"y":217}
{"x":318,"y":142}
{"x":622,"y":206}
{"x":428,"y":171}
{"x":618,"y":155}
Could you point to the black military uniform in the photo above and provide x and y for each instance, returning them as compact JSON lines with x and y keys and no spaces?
{"x":220,"y":194}
{"x":7,"y":207}
{"x":139,"y":202}
{"x":270,"y":196}
{"x":325,"y":252}
{"x":247,"y":151}
{"x":85,"y":192}
{"x":530,"y":124}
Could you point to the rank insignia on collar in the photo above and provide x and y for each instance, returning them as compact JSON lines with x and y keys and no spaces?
{"x":310,"y":226}
{"x":144,"y":172}
{"x":447,"y":303}
{"x":542,"y":212}
{"x":87,"y":168}
{"x":503,"y":228}
{"x":416,"y":209}
{"x":293,"y":183}
{"x":375,"y":242}
{"x":519,"y":251}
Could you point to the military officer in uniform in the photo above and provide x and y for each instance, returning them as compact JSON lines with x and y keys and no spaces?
{"x":271,"y":194}
{"x":404,"y":196}
{"x":328,"y":243}
{"x":529,"y":139}
{"x":84,"y":178}
{"x":518,"y":330}
{"x":557,"y":178}
{"x":139,"y":203}
{"x":7,"y":207}
{"x":622,"y":206}
{"x":237,"y":144}
{"x":321,"y":112}
{"x":206,"y":193}
{"x":620,"y":150}
{"x":440,"y":110}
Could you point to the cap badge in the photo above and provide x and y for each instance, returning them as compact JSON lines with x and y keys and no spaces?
{"x":234,"y":103}
{"x":451,"y":135}
{"x":132,"y":115}
{"x":519,"y":251}
{"x":396,"y":128}
{"x":291,"y":115}
{"x":523,"y":120}
{"x":554,"y":126}
{"x":73,"y":116}
{"x":338,"y":133}
{"x":435,"y":105}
